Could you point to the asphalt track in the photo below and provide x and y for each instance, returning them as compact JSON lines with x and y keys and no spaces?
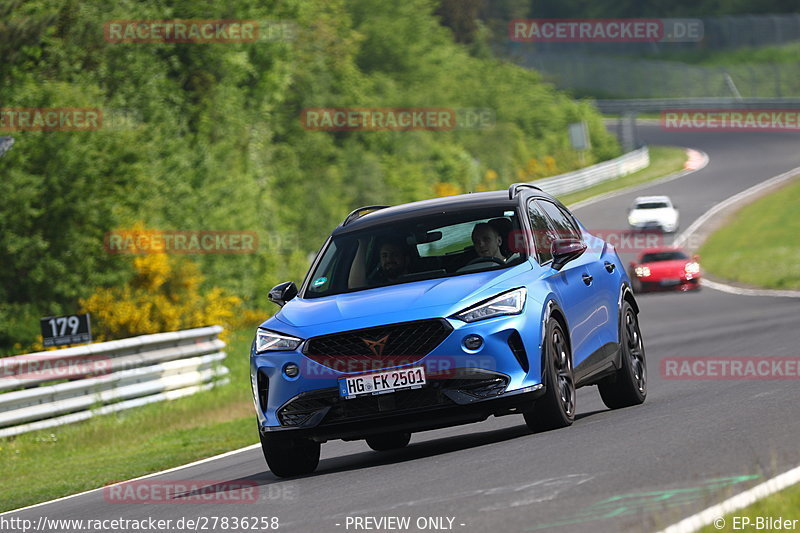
{"x":690,"y":445}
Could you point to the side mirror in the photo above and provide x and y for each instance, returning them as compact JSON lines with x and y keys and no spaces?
{"x":565,"y":250}
{"x":696,"y":258}
{"x":282,"y":293}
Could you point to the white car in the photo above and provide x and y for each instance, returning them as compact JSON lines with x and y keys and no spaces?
{"x":653,"y":212}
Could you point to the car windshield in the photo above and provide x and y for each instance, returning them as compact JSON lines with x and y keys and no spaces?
{"x":651,"y":205}
{"x":447,"y":244}
{"x":663,"y":256}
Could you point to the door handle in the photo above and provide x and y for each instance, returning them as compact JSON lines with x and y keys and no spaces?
{"x":610,"y":267}
{"x":587,"y":279}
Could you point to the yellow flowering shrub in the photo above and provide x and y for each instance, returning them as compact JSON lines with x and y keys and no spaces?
{"x":446,"y":189}
{"x":164,"y":295}
{"x":550,"y":164}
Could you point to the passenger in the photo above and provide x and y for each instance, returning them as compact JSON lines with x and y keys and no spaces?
{"x":487,"y":241}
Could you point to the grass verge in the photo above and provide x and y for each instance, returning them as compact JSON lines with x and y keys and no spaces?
{"x":664,"y":160}
{"x":77,"y":457}
{"x":784,"y":505}
{"x":760,"y":246}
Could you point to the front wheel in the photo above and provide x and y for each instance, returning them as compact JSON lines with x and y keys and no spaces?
{"x":287,"y":456}
{"x":388,"y":441}
{"x":556,"y":409}
{"x":628,"y":385}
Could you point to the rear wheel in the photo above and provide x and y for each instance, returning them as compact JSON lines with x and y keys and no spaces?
{"x":287,"y":456}
{"x":556,"y":409}
{"x":388,"y":441}
{"x":628,"y":386}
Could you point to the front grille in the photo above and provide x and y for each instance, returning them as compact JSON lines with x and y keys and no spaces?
{"x":437,"y":393}
{"x":378,"y":347}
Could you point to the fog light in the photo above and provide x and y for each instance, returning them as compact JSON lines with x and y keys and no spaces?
{"x":473,"y":342}
{"x":291,"y":370}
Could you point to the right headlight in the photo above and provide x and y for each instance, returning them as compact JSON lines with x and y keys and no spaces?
{"x":270,"y":341}
{"x":508,"y":303}
{"x":642,"y":272}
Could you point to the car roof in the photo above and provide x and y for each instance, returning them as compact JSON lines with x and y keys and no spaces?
{"x":433,"y":206}
{"x":642,"y":199}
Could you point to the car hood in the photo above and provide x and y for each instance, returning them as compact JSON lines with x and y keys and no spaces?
{"x":396,"y":303}
{"x":667,"y":268}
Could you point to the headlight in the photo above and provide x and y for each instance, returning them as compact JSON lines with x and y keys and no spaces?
{"x":269,"y":341}
{"x":642,"y":272}
{"x":507,"y":303}
{"x":632,"y":220}
{"x":692,"y":268}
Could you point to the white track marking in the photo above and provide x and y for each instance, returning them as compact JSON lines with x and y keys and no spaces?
{"x":174,"y":469}
{"x":740,"y":501}
{"x":686,"y":236}
{"x":748,"y":292}
{"x":696,"y":160}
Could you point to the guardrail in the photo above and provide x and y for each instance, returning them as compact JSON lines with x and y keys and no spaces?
{"x":655,"y":105}
{"x":47,"y":389}
{"x":589,"y":176}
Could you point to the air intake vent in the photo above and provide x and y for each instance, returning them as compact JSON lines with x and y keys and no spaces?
{"x":518,"y":349}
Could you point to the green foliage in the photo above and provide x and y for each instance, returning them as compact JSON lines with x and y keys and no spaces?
{"x":213,"y":139}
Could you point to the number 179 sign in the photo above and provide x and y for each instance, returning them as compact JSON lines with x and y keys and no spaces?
{"x":61,"y":330}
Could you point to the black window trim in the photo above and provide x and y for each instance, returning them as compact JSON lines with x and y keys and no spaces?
{"x":528,"y":201}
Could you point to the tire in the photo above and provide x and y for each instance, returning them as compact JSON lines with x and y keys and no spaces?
{"x":636,"y":285}
{"x":628,"y":386}
{"x":288,"y":457}
{"x":556,"y":409}
{"x":388,"y":441}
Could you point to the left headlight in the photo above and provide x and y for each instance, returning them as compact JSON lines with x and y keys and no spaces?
{"x":269,"y":341}
{"x":507,"y":303}
{"x":692,"y":268}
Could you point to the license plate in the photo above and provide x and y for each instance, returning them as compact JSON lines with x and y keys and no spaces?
{"x":670,"y":282}
{"x":382,"y":382}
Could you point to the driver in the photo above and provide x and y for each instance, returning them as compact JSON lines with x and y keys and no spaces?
{"x":487,"y":241}
{"x":394,"y":260}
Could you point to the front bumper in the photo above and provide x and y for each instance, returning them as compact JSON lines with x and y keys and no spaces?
{"x":653,"y":225}
{"x":402,"y":412}
{"x":682,"y":284}
{"x":507,"y":365}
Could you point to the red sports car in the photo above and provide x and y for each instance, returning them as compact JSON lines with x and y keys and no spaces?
{"x":665,"y":268}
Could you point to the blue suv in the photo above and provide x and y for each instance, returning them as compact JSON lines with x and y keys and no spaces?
{"x":444,"y":312}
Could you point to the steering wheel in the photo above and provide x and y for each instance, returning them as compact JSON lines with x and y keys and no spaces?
{"x":485,"y":259}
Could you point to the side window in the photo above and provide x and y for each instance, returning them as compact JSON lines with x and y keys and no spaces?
{"x":562,"y":224}
{"x":542,"y":234}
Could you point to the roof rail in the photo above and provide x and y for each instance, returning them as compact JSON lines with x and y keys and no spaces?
{"x":512,"y":190}
{"x":361,"y":211}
